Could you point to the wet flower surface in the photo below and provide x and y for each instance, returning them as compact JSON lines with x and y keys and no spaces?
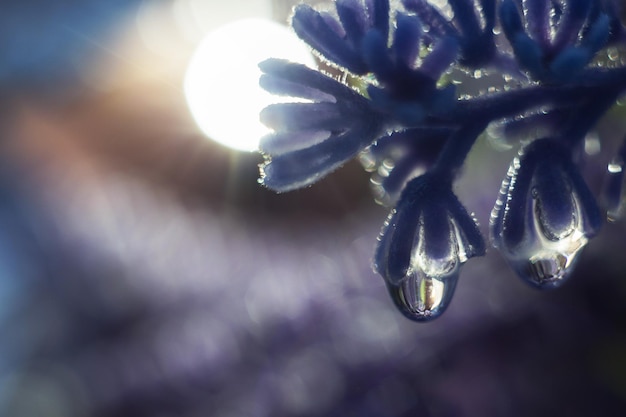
{"x":422,"y":247}
{"x":545,"y":214}
{"x":420,"y":128}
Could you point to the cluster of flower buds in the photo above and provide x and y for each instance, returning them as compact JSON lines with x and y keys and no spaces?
{"x":409,"y":123}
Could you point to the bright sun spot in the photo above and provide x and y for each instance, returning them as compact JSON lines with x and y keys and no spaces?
{"x":222,"y":80}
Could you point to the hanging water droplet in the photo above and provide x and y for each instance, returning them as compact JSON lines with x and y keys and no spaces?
{"x":549,"y":262}
{"x":422,"y":298}
{"x":429,"y":285}
{"x":549,"y":267}
{"x":544,"y":268}
{"x":542,"y":229}
{"x":612,"y":53}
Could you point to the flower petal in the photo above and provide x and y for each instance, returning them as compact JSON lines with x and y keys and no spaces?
{"x":303,"y":167}
{"x":406,"y":41}
{"x":312,"y":28}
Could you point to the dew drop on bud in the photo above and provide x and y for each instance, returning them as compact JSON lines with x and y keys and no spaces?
{"x":423,"y":298}
{"x":551,"y":262}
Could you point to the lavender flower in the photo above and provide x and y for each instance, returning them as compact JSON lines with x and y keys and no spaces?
{"x":426,"y":239}
{"x":558,"y":38}
{"x":414,"y":130}
{"x":312,"y":139}
{"x":472,"y":27}
{"x":545,"y":214}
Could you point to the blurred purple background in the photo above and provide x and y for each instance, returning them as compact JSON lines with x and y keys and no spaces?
{"x":144,"y":272}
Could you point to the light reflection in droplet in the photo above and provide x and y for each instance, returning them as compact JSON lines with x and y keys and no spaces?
{"x":421,"y":297}
{"x":548,"y":263}
{"x":615,"y":168}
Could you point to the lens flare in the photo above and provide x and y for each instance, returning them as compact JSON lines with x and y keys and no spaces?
{"x":222,"y":80}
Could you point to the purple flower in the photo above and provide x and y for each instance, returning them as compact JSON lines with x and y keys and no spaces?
{"x":312,"y":138}
{"x":472,"y":27}
{"x":545,"y":214}
{"x":340,"y":41}
{"x":424,"y":242}
{"x":359,"y":42}
{"x":556,"y":39}
{"x":413,"y":122}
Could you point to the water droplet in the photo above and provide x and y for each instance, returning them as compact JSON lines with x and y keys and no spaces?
{"x":496,"y":30}
{"x":615,"y":168}
{"x":548,"y":263}
{"x":548,"y":267}
{"x":423,"y":298}
{"x":612,"y":53}
{"x":368,"y":160}
{"x":478,"y":74}
{"x":386,"y":167}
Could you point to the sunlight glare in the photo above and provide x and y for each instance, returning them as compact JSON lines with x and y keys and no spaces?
{"x":222,"y":80}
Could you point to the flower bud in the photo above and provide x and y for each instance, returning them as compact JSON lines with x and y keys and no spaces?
{"x":545,"y":214}
{"x":426,"y":239}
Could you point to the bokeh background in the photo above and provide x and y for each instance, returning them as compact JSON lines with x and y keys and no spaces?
{"x":144,"y":272}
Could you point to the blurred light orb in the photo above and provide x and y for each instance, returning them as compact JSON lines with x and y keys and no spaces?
{"x":222,"y":80}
